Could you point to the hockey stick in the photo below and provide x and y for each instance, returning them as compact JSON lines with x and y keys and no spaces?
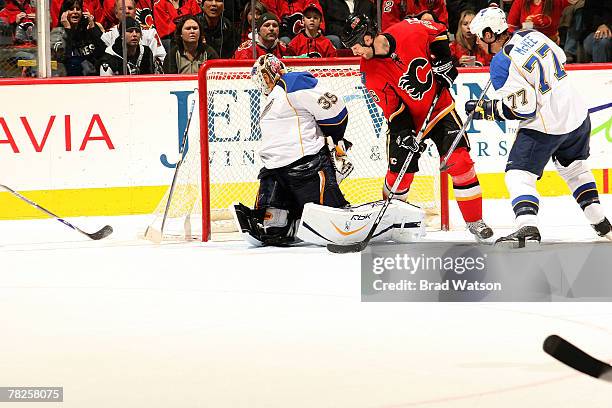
{"x":360,"y":246}
{"x":444,"y":166}
{"x":102,"y":233}
{"x":577,"y":359}
{"x":151,"y":233}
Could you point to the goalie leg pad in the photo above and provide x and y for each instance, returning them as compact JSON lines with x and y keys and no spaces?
{"x":322,"y":225}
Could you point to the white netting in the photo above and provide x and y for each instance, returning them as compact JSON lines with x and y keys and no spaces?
{"x":233,"y":134}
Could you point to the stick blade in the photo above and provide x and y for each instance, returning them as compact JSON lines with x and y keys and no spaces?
{"x":103,"y":233}
{"x":348,"y":248}
{"x":573,"y":357}
{"x":153,"y":235}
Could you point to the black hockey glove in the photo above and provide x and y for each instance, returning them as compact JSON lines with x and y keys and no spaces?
{"x":407,"y":139}
{"x":342,"y":163}
{"x":487,"y":110}
{"x":444,"y":72}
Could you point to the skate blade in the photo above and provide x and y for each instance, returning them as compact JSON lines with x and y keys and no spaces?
{"x":487,"y":241}
{"x":528,"y":243}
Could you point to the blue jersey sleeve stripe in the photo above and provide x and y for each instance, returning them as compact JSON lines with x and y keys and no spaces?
{"x":336,"y":120}
{"x":500,"y":69}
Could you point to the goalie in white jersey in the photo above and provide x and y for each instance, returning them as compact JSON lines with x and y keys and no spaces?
{"x":298,"y":115}
{"x":528,"y":73}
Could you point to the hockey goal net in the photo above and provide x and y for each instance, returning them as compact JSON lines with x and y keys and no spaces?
{"x":221,"y":164}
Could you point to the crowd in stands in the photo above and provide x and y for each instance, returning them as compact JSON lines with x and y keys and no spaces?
{"x":177,"y":36}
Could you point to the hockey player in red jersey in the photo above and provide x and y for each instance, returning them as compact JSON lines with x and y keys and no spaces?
{"x":403,"y":69}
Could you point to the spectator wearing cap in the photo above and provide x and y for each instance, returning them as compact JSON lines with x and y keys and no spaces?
{"x":290,"y":13}
{"x":310,"y":41}
{"x":139,"y":57}
{"x":337,"y":11}
{"x":149,"y":36}
{"x":266,"y":42}
{"x":219,"y":31}
{"x":246,"y":19}
{"x":401,"y":9}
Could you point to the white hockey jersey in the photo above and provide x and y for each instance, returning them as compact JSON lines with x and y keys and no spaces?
{"x":150,"y":38}
{"x":296,"y":117}
{"x":529,"y":75}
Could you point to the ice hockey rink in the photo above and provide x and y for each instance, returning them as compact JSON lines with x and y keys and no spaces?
{"x":126,"y":323}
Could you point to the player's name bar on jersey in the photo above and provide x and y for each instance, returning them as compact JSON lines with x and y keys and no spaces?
{"x":471,"y":272}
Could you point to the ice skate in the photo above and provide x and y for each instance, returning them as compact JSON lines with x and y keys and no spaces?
{"x":526,"y":236}
{"x":603,"y":229}
{"x":481,"y":231}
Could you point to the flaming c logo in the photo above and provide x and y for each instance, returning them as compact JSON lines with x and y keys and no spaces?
{"x":410,"y":81}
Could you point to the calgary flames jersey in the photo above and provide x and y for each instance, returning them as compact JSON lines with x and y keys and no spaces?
{"x":406,"y":80}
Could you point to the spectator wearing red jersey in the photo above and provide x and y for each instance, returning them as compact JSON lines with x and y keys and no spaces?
{"x":266,"y":42}
{"x":290,"y":14}
{"x":21,"y":16}
{"x":246,"y":18}
{"x":465,"y":50}
{"x":167,"y":12}
{"x":541,"y":15}
{"x":394,"y":11}
{"x":143,"y":13}
{"x":310,"y":41}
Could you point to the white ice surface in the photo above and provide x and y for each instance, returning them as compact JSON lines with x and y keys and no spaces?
{"x":122,"y":322}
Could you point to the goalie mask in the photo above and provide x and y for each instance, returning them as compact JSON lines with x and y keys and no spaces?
{"x":355,"y":28}
{"x":267,"y":66}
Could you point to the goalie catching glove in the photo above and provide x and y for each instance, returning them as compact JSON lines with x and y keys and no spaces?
{"x":340,"y":160}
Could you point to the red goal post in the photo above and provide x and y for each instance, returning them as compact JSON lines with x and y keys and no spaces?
{"x":229,"y":107}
